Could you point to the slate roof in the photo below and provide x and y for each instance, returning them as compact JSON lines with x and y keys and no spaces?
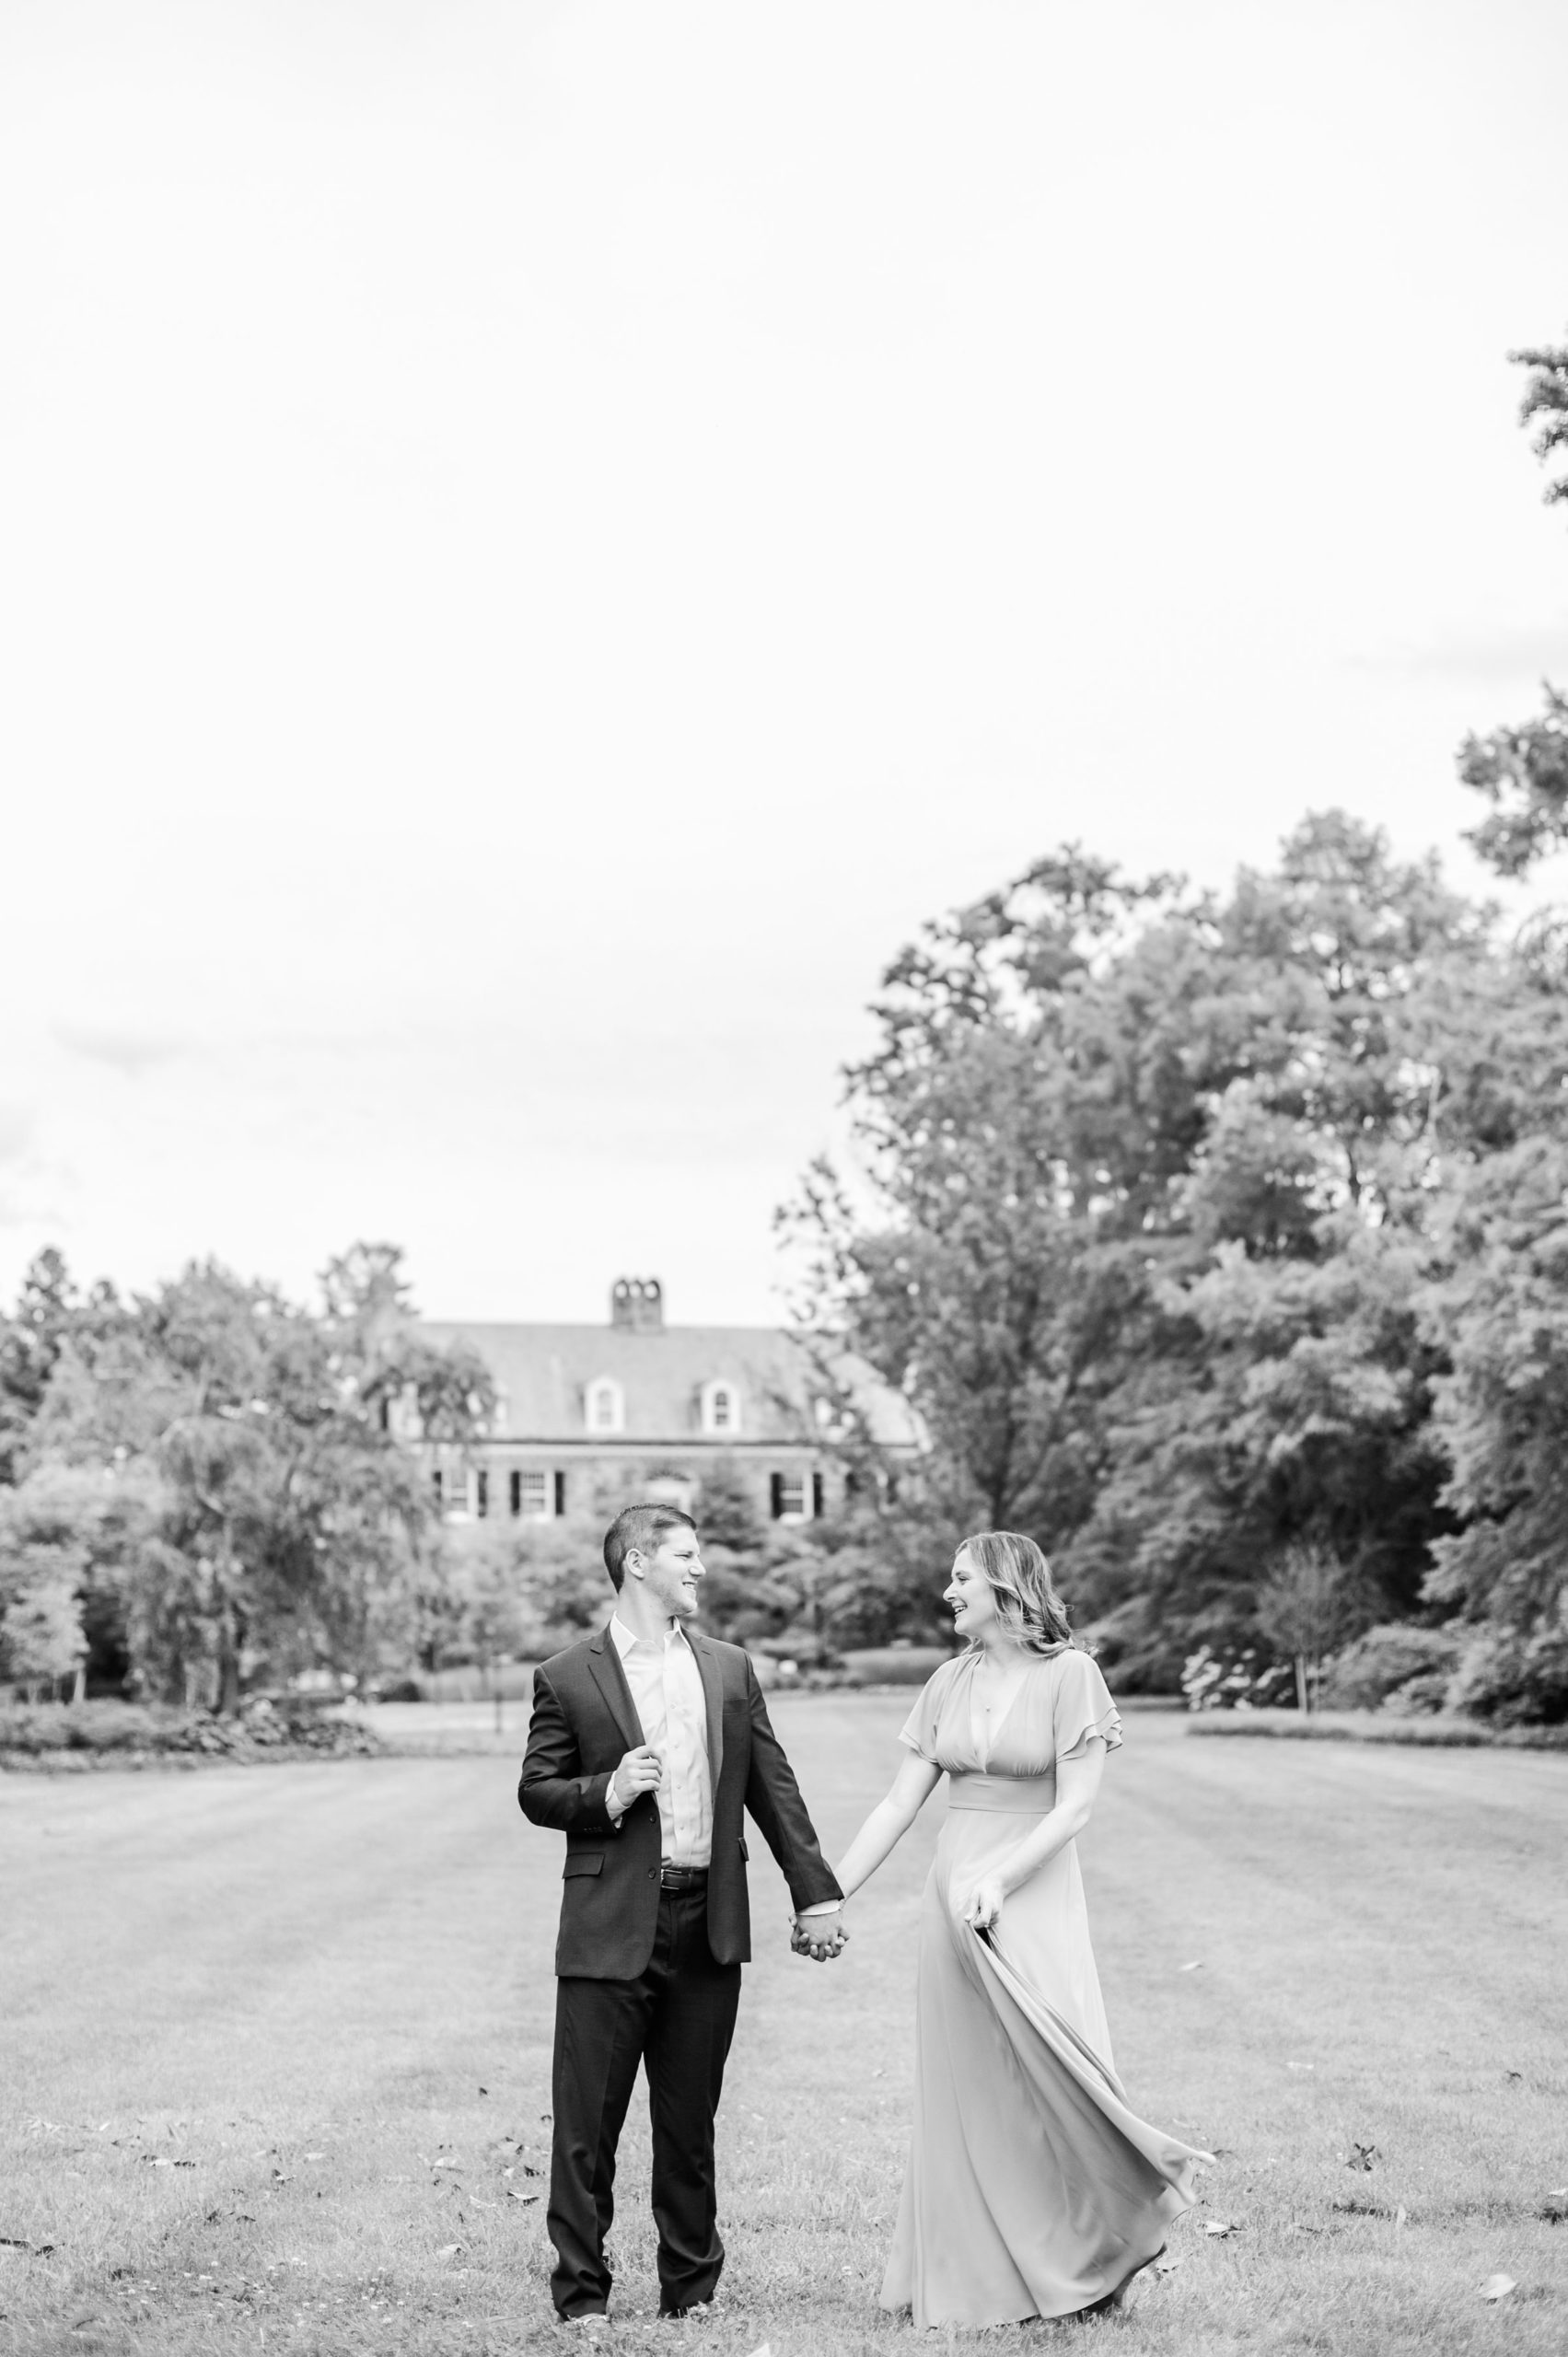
{"x":544,"y":1372}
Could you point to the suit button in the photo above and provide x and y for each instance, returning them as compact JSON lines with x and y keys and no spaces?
{"x":652,"y":1875}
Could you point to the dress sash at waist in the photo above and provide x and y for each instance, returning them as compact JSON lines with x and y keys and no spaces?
{"x":1015,"y":1795}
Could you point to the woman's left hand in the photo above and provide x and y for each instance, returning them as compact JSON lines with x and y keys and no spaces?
{"x":985,"y":1904}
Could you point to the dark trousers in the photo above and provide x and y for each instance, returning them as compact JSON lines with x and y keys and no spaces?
{"x":678,"y":2016}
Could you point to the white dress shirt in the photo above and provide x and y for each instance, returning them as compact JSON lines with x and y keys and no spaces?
{"x":667,"y":1686}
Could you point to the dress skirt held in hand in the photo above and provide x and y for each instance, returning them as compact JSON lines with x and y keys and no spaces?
{"x":1032,"y":2190}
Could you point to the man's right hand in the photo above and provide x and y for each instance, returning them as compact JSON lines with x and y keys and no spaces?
{"x":638,"y":1772}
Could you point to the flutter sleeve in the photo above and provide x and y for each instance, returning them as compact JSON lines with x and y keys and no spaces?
{"x":920,"y":1729}
{"x":1082,"y":1707}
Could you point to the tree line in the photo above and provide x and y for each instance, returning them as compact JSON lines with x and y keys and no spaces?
{"x":1220,"y":1241}
{"x":200,"y":1489}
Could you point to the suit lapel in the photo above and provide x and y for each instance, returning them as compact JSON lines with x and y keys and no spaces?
{"x":604,"y":1662}
{"x":713,"y":1694}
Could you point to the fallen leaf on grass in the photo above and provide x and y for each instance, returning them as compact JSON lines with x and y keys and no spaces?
{"x":1217,"y":2226}
{"x":1361,"y":2157}
{"x":34,"y":2250}
{"x":1496,"y":2287}
{"x":1554,"y":2206}
{"x":1166,"y":2265}
{"x":513,"y":2195}
{"x":763,"y":2348}
{"x":448,"y":2250}
{"x":1401,"y":2216}
{"x":1301,"y":2066}
{"x":1196,"y":1966}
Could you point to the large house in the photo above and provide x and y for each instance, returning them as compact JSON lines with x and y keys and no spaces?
{"x":590,"y":1415}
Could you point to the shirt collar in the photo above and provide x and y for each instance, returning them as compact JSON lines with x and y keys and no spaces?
{"x":625,"y":1643}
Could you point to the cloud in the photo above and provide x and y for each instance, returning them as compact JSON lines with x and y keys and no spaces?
{"x":122,"y":1051}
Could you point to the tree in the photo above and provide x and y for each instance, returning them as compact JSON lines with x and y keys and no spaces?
{"x":1546,"y":397}
{"x":290,"y":1521}
{"x":47,"y":1530}
{"x":1309,"y":1607}
{"x":1503,"y":1409}
{"x":1523,"y":771}
{"x":1140,"y":1218}
{"x":31,"y":1342}
{"x":723,"y":1510}
{"x":1016,"y":1128}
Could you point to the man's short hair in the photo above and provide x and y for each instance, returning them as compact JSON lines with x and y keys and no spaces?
{"x":643,"y":1528}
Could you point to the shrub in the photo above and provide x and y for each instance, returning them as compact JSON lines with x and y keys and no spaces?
{"x":1420,"y":1698}
{"x":37,"y":1730}
{"x":36,"y":1727}
{"x":1387,"y":1661}
{"x":1513,"y":1680}
{"x":1227,"y":1680}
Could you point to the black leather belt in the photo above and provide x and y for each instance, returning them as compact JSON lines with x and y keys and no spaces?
{"x":684,"y":1877}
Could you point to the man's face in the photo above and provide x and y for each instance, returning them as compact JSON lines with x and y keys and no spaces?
{"x":672,"y":1573}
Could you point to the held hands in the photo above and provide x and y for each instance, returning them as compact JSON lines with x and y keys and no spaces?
{"x":822,"y":1937}
{"x":638,"y":1772}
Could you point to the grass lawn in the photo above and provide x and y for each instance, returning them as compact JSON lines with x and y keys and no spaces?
{"x":275,"y":2057}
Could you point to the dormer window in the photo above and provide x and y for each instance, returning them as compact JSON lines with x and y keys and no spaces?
{"x":605,"y":1406}
{"x":721,"y":1410}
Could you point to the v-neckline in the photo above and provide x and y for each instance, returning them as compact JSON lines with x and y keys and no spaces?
{"x":984,"y":1746}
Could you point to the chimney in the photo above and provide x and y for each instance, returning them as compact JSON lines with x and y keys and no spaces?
{"x":636,"y":1305}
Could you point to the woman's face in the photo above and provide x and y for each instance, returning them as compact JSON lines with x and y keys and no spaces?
{"x":969,"y":1593}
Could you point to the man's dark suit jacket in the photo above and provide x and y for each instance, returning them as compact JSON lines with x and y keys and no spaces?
{"x":584,"y":1721}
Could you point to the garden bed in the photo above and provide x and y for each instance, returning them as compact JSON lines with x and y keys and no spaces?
{"x":1442,"y":1730}
{"x":72,"y":1738}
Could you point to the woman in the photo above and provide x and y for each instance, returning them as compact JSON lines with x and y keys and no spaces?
{"x":1031,"y":2189}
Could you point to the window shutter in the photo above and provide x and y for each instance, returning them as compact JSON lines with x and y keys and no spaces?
{"x":516,"y":1488}
{"x":481,"y":1500}
{"x":775,"y":1493}
{"x":561,"y":1493}
{"x":817,"y":1497}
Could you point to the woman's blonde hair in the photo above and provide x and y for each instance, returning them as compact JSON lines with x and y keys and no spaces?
{"x":1028,"y":1605}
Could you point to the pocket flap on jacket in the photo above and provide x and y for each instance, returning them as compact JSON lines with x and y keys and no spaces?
{"x":583,"y":1862}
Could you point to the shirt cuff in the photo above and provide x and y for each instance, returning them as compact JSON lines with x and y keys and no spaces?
{"x":823,"y":1907}
{"x":613,"y":1807}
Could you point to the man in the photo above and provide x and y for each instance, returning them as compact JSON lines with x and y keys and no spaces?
{"x":646,"y":1744}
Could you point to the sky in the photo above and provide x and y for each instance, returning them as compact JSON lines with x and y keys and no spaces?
{"x":539,"y":542}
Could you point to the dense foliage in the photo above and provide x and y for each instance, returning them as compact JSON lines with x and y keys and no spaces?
{"x":1221,"y":1245}
{"x":1212,"y":1238}
{"x":202,"y":1490}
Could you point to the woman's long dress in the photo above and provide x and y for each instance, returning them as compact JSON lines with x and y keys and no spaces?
{"x":1032,"y":2188}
